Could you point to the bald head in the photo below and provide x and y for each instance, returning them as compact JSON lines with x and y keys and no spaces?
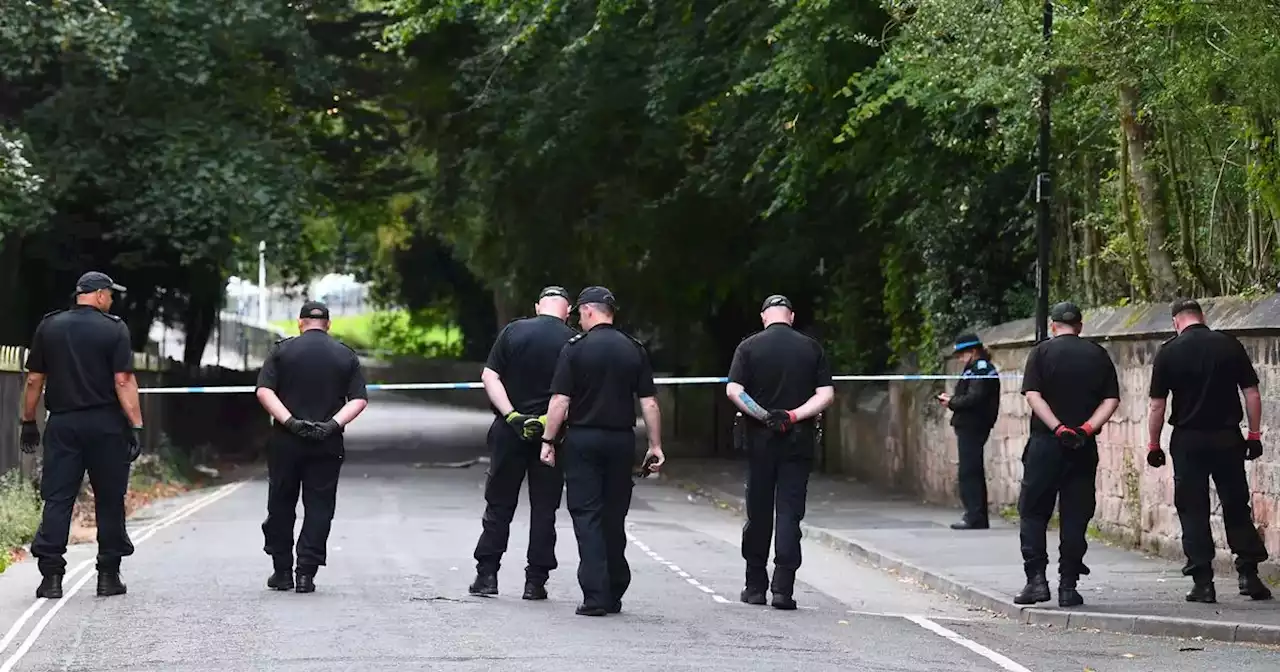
{"x":776,"y":314}
{"x":556,"y":306}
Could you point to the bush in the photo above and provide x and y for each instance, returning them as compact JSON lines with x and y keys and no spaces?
{"x":415,"y":334}
{"x":20,"y":508}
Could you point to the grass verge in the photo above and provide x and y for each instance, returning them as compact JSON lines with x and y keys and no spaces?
{"x":391,"y":332}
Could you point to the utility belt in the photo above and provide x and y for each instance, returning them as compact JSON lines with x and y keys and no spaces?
{"x":742,"y":425}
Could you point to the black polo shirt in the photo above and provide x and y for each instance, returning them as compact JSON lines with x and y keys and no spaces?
{"x":80,"y":350}
{"x":1205,"y":370}
{"x":780,"y":367}
{"x":313,"y":374}
{"x":524,"y":356}
{"x":1073,"y":375}
{"x":603,"y":372}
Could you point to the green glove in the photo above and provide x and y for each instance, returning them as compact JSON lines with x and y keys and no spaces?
{"x":527,"y":426}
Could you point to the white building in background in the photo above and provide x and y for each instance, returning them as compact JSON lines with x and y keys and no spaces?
{"x":342,"y":293}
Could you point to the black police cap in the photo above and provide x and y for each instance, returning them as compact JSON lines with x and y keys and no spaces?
{"x":967,"y":340}
{"x":774,"y":301}
{"x":596,"y":294}
{"x":1185,"y":305}
{"x":554,"y":290}
{"x":314,"y":310}
{"x":1066,"y":313}
{"x":94,"y":281}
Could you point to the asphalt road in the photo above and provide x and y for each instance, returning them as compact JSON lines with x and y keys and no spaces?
{"x":394,"y":596}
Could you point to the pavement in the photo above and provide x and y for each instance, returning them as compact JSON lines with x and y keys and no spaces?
{"x":1126,"y":592}
{"x":394,"y":593}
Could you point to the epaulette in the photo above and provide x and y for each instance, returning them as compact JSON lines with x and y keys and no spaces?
{"x":635,"y":340}
{"x":113,"y":318}
{"x":52,"y":313}
{"x":576,"y":338}
{"x":981,"y":365}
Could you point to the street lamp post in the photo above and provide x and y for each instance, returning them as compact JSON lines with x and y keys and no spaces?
{"x":262,"y":282}
{"x":1042,"y":188}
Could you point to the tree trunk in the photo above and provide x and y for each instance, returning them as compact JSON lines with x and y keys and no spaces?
{"x":1164,"y":280}
{"x":1138,"y":270}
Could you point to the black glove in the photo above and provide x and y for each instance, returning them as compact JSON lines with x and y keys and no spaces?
{"x":1252,"y":449}
{"x":1068,"y":437}
{"x":780,"y":421}
{"x":135,"y":443}
{"x":30,"y":436}
{"x":529,"y":427}
{"x":300,"y":427}
{"x":1155,"y":456}
{"x":326,"y":429}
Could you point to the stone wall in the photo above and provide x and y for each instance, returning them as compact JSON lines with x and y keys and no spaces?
{"x":896,"y":435}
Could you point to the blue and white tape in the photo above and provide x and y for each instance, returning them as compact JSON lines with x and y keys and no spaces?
{"x":707,"y":380}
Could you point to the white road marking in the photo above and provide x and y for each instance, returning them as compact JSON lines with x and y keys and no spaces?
{"x":40,"y":601}
{"x":966,"y":643}
{"x":665,"y":563}
{"x":147,"y":533}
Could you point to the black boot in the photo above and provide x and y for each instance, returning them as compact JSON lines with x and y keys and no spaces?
{"x":533,"y":589}
{"x":281,"y":579}
{"x":753,"y":595}
{"x":783,"y":601}
{"x":967,"y":524}
{"x":1251,"y":585}
{"x":615,"y":608}
{"x":109,"y":584}
{"x":50,"y":587}
{"x":584,"y":610}
{"x":783,"y":587}
{"x":1203,"y":591}
{"x":485,"y":584}
{"x":306,"y":582}
{"x":1068,"y":596}
{"x":1036,"y":590}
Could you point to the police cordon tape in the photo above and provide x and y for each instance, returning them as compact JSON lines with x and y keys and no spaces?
{"x":708,"y":380}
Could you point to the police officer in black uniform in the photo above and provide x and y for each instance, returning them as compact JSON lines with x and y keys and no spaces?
{"x":82,"y":360}
{"x":780,"y":379}
{"x":1072,"y":389}
{"x":598,"y":377}
{"x":313,"y":386}
{"x":517,"y":379}
{"x":975,"y":407}
{"x":1206,"y":370}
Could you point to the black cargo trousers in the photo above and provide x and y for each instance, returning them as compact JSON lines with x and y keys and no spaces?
{"x":1199,"y":455}
{"x":598,"y":466}
{"x":95,"y":440}
{"x":511,"y":459}
{"x":296,"y":465}
{"x":778,"y":469}
{"x":1054,"y":474}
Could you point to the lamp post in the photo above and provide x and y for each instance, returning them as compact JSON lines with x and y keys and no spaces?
{"x":262,"y":282}
{"x":1042,"y":188}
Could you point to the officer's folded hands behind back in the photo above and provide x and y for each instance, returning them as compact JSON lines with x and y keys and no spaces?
{"x":780,"y":421}
{"x":1072,"y":437}
{"x":30,"y":436}
{"x":529,"y":427}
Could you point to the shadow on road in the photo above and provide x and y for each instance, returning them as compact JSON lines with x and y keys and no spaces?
{"x":396,"y":429}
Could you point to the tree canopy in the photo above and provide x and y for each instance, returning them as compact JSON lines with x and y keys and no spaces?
{"x":874,"y":161}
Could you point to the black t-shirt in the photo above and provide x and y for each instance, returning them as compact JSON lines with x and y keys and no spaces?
{"x":780,"y":367}
{"x":313,"y":374}
{"x":1205,"y":370}
{"x":525,"y":356}
{"x":80,"y":350}
{"x":603,"y":372}
{"x":1073,"y":375}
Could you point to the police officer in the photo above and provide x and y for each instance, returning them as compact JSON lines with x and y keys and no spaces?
{"x":517,"y":379}
{"x":1205,"y":370}
{"x":974,"y":406}
{"x":82,"y":360}
{"x":1072,"y":389}
{"x":313,"y":386}
{"x":598,"y":377}
{"x":780,"y":379}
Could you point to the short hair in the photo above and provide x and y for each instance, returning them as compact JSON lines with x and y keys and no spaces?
{"x":603,"y":308}
{"x":1186,"y":306}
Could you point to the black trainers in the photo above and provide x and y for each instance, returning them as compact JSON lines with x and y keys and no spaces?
{"x":1036,"y":590}
{"x":1252,"y":585}
{"x":533,"y":590}
{"x":109,"y":584}
{"x":784,"y":602}
{"x":281,"y":579}
{"x":485,"y":584}
{"x":1203,"y":592}
{"x":306,"y":583}
{"x":50,"y":587}
{"x":584,"y":610}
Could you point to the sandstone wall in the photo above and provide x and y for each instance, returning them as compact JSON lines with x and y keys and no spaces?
{"x":895,"y":434}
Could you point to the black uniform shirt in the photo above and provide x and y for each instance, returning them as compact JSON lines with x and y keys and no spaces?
{"x":79,"y":351}
{"x":780,"y":367}
{"x":1205,"y":370}
{"x":313,"y":374}
{"x":603,"y":372}
{"x":976,"y":402}
{"x":1073,"y":375}
{"x":525,"y":356}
